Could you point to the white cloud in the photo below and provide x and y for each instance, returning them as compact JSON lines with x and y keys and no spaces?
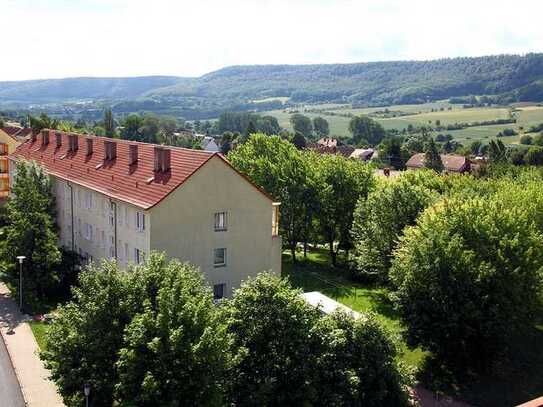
{"x":59,"y":38}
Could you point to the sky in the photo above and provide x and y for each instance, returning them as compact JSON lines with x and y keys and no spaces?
{"x":70,"y":38}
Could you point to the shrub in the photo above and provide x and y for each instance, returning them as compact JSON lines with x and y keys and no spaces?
{"x":467,"y":276}
{"x":526,"y":139}
{"x":534,"y":156}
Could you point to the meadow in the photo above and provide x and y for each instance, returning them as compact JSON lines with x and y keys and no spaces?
{"x":424,"y":114}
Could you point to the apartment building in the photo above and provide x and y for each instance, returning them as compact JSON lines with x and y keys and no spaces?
{"x":10,"y":138}
{"x":120,"y":200}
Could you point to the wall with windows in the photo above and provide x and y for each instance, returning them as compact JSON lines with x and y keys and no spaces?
{"x":219,"y":222}
{"x":102,"y":227}
{"x":7,"y":146}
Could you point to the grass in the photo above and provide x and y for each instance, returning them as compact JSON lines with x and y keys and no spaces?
{"x":39,"y":329}
{"x":422,"y":114}
{"x":317,"y":274}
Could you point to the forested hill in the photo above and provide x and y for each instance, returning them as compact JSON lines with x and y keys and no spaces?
{"x":508,"y":77}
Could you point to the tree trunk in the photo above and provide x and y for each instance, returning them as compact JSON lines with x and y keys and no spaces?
{"x":293,"y":252}
{"x":332,"y":253}
{"x":305,"y":250}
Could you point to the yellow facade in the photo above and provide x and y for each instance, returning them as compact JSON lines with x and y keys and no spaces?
{"x":183,"y":226}
{"x":7,"y":146}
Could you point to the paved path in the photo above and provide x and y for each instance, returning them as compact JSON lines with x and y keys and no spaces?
{"x":37,"y":389}
{"x":10,"y":392}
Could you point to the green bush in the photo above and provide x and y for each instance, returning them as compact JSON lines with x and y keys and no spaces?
{"x":468,"y":275}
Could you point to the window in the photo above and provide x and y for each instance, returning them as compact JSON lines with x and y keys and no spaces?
{"x":111,"y":247}
{"x":111,"y":214}
{"x":140,"y":221}
{"x":126,"y":252}
{"x":126,"y":216}
{"x":218,"y":291}
{"x":87,"y":232}
{"x":219,"y":258}
{"x":139,"y":256}
{"x":220,"y":221}
{"x":88,"y":200}
{"x":275,"y":220}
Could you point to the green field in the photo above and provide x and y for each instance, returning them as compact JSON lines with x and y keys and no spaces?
{"x":422,"y":115}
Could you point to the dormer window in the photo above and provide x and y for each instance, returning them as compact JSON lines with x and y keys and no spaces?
{"x":73,"y":142}
{"x":110,"y":150}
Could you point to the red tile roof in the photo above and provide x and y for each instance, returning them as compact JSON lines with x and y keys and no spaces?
{"x":451,"y":162}
{"x":16,"y":133}
{"x":137,"y":184}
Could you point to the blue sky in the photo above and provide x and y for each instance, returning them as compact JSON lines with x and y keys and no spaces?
{"x":67,"y":38}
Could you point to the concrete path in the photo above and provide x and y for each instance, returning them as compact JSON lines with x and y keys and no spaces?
{"x":22,"y":348}
{"x":9,"y":386}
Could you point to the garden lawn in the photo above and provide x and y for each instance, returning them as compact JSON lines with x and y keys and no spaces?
{"x":317,"y":274}
{"x":39,"y":329}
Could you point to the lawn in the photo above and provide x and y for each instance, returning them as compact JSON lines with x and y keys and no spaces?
{"x":39,"y":329}
{"x":317,"y":274}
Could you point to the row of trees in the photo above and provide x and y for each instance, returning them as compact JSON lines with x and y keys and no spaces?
{"x":154,"y":335}
{"x":318,"y":193}
{"x":462,"y":256}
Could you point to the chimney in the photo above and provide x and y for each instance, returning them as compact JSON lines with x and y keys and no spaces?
{"x":33,"y":136}
{"x":45,"y":137}
{"x":89,"y":146}
{"x":58,"y":136}
{"x":110,"y":150}
{"x":162,"y":159}
{"x":73,"y":142}
{"x":132,"y":154}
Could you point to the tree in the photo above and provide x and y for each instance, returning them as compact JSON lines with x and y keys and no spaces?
{"x":30,"y":231}
{"x":390,"y":149}
{"x":109,"y":123}
{"x":380,"y":220}
{"x":475,"y":147}
{"x":272,"y":370}
{"x":534,"y":156}
{"x":87,"y":335}
{"x":321,"y":127}
{"x":365,"y":128}
{"x":131,"y":127}
{"x":299,"y":141}
{"x":342,"y":183}
{"x":538,"y":140}
{"x":149,"y":128}
{"x":138,"y":337}
{"x":357,"y":365}
{"x":167,"y":125}
{"x":250,"y":130}
{"x":43,"y":122}
{"x":301,"y":124}
{"x":526,"y":139}
{"x":432,"y":159}
{"x":468,"y":275}
{"x":279,"y":168}
{"x":268,"y":125}
{"x":176,"y":347}
{"x":497,"y":151}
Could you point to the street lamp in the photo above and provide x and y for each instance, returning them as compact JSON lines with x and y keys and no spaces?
{"x":86,"y":390}
{"x":21,"y":259}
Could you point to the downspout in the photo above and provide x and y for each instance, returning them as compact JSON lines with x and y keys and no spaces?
{"x":72,"y":213}
{"x":114,"y":204}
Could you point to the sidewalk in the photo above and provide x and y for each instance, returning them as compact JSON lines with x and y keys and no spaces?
{"x":23,"y":350}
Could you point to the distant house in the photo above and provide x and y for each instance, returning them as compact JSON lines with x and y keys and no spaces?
{"x":209,"y":144}
{"x":327,"y":145}
{"x":451,"y":162}
{"x":364,"y":154}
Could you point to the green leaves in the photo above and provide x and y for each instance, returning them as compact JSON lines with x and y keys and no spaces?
{"x":469,"y":274}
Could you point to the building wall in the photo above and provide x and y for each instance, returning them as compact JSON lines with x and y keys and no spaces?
{"x":7,"y":146}
{"x":99,"y":223}
{"x":183,"y":226}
